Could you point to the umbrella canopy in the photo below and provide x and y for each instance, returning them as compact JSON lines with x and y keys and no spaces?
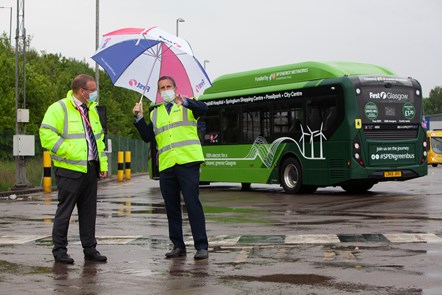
{"x":134,"y":58}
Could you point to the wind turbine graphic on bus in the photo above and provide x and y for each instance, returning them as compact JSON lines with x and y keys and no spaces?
{"x":312,"y":134}
{"x":303,"y":134}
{"x":266,"y":152}
{"x":321,"y":136}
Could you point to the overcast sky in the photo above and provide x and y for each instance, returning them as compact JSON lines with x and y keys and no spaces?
{"x":240,"y":35}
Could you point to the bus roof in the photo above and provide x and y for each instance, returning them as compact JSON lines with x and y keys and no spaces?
{"x":293,"y":73}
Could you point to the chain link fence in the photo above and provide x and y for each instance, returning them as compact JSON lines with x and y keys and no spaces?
{"x":138,"y":148}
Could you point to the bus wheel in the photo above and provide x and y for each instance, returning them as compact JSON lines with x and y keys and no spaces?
{"x":357,"y":189}
{"x":434,"y":165}
{"x":291,"y":176}
{"x":245,"y":186}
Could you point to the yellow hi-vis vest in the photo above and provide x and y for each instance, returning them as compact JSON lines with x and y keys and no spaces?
{"x":62,"y":133}
{"x":176,"y":136}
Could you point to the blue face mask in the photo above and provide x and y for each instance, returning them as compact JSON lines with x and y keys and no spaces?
{"x":93,"y":96}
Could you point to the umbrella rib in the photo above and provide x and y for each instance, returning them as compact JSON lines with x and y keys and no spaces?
{"x":153,"y":51}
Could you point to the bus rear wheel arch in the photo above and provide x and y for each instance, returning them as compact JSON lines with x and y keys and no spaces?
{"x":291,"y":178}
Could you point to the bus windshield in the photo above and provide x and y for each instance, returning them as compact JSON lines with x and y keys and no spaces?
{"x":436,"y":144}
{"x":388,"y":101}
{"x":389,"y":107}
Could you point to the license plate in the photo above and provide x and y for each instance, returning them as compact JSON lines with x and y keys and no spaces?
{"x":392,"y":173}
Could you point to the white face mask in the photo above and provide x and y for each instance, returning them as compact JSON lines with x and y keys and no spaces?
{"x":168,"y":95}
{"x":93,"y":96}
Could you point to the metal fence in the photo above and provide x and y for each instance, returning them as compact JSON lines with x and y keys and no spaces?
{"x":138,"y":148}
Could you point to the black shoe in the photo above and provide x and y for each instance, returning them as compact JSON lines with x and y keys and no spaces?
{"x":64,"y":258}
{"x":201,"y":254}
{"x":95,"y":256}
{"x":176,"y":252}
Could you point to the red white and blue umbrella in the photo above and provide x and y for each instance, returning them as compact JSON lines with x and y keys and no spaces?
{"x":134,"y":58}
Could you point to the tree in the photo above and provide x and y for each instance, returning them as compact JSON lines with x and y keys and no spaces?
{"x":433,"y":104}
{"x":48,"y":79}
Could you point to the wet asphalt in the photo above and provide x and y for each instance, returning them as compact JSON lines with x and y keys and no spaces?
{"x":261,"y":242}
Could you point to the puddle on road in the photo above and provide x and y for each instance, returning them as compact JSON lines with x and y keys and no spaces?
{"x":296,"y":279}
{"x":14,"y":268}
{"x":213,"y":213}
{"x":362,"y":238}
{"x":235,"y":215}
{"x":14,"y":219}
{"x":324,"y":281}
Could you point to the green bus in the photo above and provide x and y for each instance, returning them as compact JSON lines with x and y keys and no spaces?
{"x":313,"y":124}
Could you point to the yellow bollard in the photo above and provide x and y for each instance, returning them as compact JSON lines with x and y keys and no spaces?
{"x":127,"y":157}
{"x":120,"y":175}
{"x":47,"y":181}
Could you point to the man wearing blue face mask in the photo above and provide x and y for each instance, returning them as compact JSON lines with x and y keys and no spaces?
{"x":174,"y":127}
{"x":72,"y":132}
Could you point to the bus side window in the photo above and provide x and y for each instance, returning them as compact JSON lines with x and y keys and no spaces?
{"x":287,"y":119}
{"x":231,"y":130}
{"x":255,"y":122}
{"x":212,"y":128}
{"x":201,"y":128}
{"x":314,"y":118}
{"x":329,"y":118}
{"x":296,"y":126}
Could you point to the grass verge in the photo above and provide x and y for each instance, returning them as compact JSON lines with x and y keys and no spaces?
{"x":34,"y":172}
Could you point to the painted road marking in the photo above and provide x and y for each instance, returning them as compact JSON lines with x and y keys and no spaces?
{"x":224,"y":240}
{"x":311,"y":239}
{"x":114,"y":240}
{"x":413,"y":238}
{"x":244,"y":240}
{"x":19,"y":239}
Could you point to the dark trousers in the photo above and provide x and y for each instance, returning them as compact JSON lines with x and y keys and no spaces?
{"x":184,"y":178}
{"x":75,"y":188}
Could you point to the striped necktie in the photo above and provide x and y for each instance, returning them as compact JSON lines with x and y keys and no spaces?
{"x":90,"y":135}
{"x":169,"y":107}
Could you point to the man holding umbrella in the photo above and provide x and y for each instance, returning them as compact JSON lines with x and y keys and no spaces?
{"x":173,"y":125}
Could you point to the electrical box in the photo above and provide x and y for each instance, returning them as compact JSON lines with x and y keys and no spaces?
{"x":109,"y":145}
{"x":24,"y":145}
{"x":23,"y":115}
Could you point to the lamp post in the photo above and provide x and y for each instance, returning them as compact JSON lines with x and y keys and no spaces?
{"x":10,"y":21}
{"x":97,"y":32}
{"x":178,"y":20}
{"x":205,"y":62}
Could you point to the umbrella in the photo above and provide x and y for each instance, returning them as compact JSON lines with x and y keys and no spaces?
{"x":134,"y":58}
